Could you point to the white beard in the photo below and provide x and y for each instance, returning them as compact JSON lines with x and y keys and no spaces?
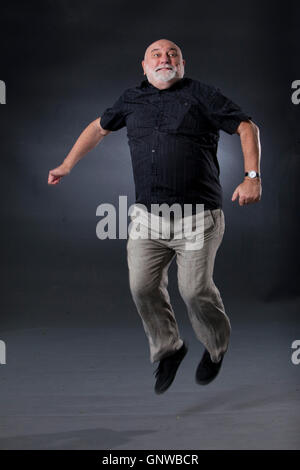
{"x":165,"y":75}
{"x":161,"y":75}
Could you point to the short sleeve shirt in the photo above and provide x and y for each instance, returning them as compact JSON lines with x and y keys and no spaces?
{"x":173,"y":138}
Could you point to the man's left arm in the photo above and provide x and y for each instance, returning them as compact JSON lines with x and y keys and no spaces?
{"x":250,"y":190}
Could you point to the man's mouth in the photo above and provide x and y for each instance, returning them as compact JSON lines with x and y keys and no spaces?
{"x":164,"y":68}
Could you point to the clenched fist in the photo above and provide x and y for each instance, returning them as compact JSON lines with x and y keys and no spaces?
{"x":56,"y":174}
{"x":248,"y":192}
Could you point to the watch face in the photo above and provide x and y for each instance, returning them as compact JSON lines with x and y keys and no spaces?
{"x":252,"y":174}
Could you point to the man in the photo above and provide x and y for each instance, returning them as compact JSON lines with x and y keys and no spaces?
{"x":173,"y":126}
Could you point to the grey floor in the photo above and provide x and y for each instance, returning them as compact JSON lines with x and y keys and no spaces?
{"x":92,"y":388}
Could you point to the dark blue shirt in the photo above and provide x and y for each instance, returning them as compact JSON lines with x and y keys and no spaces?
{"x":173,"y":137}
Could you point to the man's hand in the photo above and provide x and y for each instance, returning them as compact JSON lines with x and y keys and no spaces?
{"x":248,"y":192}
{"x":56,"y":174}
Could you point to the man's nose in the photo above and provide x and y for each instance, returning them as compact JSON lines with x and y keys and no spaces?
{"x":165,"y":59}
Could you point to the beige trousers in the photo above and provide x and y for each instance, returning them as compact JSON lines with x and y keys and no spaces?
{"x":148,"y":263}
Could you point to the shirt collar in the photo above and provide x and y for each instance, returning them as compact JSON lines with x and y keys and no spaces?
{"x":177,"y":85}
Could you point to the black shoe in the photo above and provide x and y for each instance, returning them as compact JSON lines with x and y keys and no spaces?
{"x":207,"y":370}
{"x":167,"y":369}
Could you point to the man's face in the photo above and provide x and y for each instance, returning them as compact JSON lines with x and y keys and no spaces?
{"x":163,"y":63}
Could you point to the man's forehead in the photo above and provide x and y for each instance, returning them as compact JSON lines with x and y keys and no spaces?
{"x":159,"y":45}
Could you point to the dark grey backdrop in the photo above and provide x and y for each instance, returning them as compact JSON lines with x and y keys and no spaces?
{"x":64,"y":62}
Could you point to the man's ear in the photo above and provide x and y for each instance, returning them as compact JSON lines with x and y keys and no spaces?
{"x":183,"y":61}
{"x":143,"y":65}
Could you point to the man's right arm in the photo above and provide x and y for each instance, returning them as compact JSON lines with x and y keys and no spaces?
{"x":88,"y":139}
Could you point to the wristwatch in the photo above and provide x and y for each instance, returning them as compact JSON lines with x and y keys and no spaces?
{"x":252,"y":174}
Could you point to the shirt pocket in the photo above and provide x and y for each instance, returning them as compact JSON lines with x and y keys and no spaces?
{"x":191,"y":116}
{"x":140,"y":118}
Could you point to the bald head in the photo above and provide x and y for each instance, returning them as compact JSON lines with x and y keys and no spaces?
{"x":163,"y":63}
{"x":160,"y":43}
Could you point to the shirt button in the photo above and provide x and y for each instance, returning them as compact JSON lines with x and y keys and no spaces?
{"x":153,"y":150}
{"x":156,"y":127}
{"x":185,"y":103}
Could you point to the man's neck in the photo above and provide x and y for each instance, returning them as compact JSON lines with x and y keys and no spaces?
{"x":164,"y":85}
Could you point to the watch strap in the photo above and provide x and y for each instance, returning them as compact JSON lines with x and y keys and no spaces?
{"x":257,"y":175}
